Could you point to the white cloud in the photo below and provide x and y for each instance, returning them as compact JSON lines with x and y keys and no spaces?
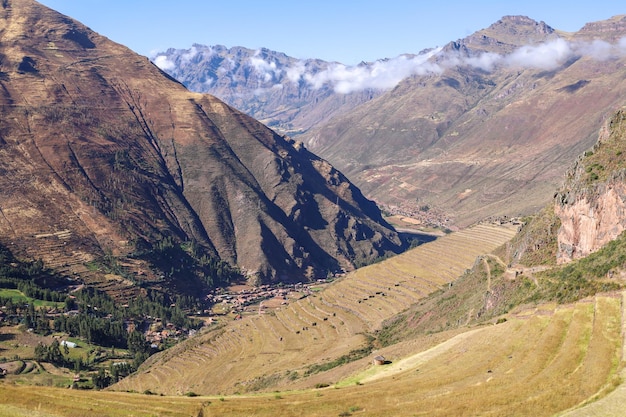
{"x":295,"y":73}
{"x":261,"y":91}
{"x":163,"y":62}
{"x":266,"y":70}
{"x":486,"y":61}
{"x":381,"y":75}
{"x":601,"y":50}
{"x":191,"y":54}
{"x":166,"y":64}
{"x":386,"y":74}
{"x":546,"y":56}
{"x":597,"y":49}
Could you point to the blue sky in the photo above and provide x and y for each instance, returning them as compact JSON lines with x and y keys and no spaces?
{"x":347,"y":31}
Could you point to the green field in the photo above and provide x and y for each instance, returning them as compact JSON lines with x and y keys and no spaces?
{"x":18,"y":297}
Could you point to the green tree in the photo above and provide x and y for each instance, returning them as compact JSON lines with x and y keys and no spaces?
{"x":101,"y":379}
{"x":137,"y":343}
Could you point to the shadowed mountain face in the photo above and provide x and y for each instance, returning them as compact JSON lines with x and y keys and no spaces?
{"x":102,"y":153}
{"x":492,"y":129}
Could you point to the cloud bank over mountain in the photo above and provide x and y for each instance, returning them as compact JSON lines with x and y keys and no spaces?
{"x":545,"y":56}
{"x":386,"y":74}
{"x":380,"y":75}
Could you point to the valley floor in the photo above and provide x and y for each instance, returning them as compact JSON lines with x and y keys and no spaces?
{"x":539,"y":360}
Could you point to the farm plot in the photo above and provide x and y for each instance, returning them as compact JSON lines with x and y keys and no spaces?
{"x":541,"y":363}
{"x":268,"y":350}
{"x":538,"y":364}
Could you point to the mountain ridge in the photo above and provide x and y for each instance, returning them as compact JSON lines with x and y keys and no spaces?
{"x":464,"y":134}
{"x":103,"y":153}
{"x":393,"y":144}
{"x":259,"y":82}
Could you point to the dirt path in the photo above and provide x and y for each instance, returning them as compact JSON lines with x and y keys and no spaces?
{"x":414,"y":361}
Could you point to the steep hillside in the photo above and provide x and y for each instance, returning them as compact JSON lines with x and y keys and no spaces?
{"x":492,"y":125}
{"x":514,"y":335}
{"x":573,"y":248}
{"x":105,"y":157}
{"x":304,"y":342}
{"x":286,"y":93}
{"x":592,"y":203}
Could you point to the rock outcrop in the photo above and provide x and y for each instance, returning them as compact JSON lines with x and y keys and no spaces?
{"x":592,"y":204}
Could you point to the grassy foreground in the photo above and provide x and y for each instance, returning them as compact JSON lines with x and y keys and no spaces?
{"x":540,"y":362}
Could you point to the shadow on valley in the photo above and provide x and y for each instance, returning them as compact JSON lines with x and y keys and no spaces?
{"x":412,"y":239}
{"x":5,"y":337}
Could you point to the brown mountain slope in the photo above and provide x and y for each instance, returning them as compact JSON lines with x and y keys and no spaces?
{"x":492,"y":132}
{"x":102,"y":153}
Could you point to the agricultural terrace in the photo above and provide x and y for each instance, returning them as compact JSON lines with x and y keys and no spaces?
{"x":540,"y":362}
{"x":294,"y":345}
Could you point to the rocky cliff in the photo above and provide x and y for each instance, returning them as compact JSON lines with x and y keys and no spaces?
{"x":592,"y":204}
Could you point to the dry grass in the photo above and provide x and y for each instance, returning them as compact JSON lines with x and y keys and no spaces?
{"x":535,"y":365}
{"x":44,"y":401}
{"x":540,"y":362}
{"x":318,"y":329}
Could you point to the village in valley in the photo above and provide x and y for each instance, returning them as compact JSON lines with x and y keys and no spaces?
{"x":239,"y":300}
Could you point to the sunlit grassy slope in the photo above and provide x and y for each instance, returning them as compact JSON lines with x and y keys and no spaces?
{"x":543,"y":360}
{"x":276,"y":350}
{"x":540,"y":362}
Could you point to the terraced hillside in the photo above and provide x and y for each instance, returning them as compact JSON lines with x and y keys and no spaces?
{"x":293,"y":345}
{"x":540,"y":362}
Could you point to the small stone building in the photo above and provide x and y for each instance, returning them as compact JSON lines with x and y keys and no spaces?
{"x":379,"y":360}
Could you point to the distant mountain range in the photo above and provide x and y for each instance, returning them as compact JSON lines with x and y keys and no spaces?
{"x":287,"y":94}
{"x":116,"y":175}
{"x":484,"y":126}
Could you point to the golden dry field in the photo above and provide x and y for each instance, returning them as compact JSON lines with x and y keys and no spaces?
{"x":285,"y":348}
{"x":543,"y":360}
{"x":540,"y":362}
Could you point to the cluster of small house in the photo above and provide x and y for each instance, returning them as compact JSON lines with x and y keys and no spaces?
{"x":239,"y":301}
{"x":159,"y":333}
{"x":430,"y":217}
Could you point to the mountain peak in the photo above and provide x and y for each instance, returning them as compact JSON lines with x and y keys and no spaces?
{"x":508,"y":33}
{"x":520,"y":24}
{"x":611,"y":30}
